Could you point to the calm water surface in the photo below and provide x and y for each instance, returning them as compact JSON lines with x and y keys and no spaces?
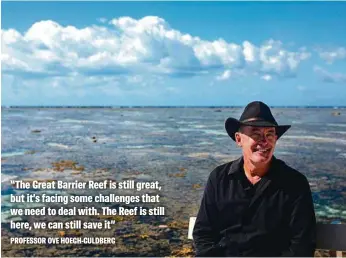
{"x":159,"y":143}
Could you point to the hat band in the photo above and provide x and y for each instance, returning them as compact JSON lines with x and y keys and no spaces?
{"x":259,"y":120}
{"x":251,"y":119}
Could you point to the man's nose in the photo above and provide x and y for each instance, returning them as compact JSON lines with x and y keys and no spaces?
{"x":263,"y":139}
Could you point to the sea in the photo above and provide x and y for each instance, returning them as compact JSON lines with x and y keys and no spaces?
{"x":178,"y":147}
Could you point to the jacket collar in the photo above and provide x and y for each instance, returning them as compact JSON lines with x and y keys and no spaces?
{"x":237,"y":165}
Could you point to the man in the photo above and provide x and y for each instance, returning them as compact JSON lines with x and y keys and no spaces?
{"x":256,"y":205}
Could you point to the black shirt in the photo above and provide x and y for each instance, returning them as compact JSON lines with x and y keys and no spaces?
{"x":274,"y":217}
{"x":249,"y":188}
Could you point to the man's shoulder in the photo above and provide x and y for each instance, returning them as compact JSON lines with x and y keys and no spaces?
{"x":222,"y":170}
{"x":290,"y":175}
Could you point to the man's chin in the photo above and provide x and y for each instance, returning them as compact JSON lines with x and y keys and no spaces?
{"x":261,"y":159}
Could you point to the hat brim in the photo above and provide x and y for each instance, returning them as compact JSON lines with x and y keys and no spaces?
{"x":232,"y":126}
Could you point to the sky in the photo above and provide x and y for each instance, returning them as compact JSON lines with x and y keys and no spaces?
{"x":173,"y":53}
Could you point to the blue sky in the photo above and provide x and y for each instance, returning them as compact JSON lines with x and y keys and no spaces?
{"x":173,"y":53}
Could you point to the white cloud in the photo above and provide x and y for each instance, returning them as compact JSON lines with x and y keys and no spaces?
{"x":224,"y":76}
{"x":250,"y":52}
{"x":136,"y":47}
{"x":333,"y":55}
{"x":328,"y":76}
{"x":266,"y":77}
{"x":218,"y":53}
{"x":276,"y":60}
{"x":10,"y":36}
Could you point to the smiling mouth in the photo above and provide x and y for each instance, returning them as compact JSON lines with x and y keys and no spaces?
{"x":264,"y":151}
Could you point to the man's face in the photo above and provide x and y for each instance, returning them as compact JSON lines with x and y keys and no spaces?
{"x":258,"y":143}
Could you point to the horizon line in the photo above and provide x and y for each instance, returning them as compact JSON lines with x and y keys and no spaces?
{"x":163,"y":106}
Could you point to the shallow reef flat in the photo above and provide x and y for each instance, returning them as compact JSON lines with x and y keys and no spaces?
{"x":177,"y":147}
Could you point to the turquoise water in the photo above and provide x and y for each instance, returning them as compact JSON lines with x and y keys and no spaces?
{"x":158,"y":142}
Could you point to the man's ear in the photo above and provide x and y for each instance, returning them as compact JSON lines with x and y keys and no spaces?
{"x":237,"y":138}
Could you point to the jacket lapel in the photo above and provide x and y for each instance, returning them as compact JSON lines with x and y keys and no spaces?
{"x":264,"y":183}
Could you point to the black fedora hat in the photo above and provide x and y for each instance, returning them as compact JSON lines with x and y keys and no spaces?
{"x":258,"y":114}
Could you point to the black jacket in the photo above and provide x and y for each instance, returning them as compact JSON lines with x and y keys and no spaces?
{"x":275,"y":217}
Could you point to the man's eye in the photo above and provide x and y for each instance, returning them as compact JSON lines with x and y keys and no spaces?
{"x":256,"y":136}
{"x":270,"y":135}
